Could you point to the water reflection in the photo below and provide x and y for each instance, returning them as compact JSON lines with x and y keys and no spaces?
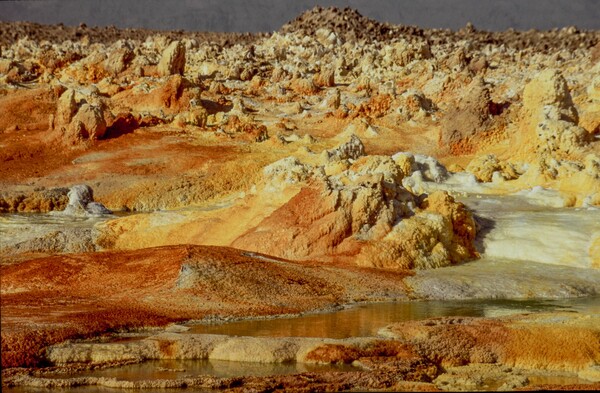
{"x":179,"y":369}
{"x":174,"y":369}
{"x":367,"y":319}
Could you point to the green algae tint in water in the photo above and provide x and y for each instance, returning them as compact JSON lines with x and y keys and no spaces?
{"x":367,"y":319}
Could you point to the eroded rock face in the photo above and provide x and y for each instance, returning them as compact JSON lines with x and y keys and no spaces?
{"x":549,"y":116}
{"x":325,"y":78}
{"x":77,"y":123}
{"x":355,"y":208}
{"x":162,"y":99}
{"x":88,"y":123}
{"x":286,"y":171}
{"x":442,"y":234}
{"x":467,"y":119}
{"x":172,"y":61}
{"x":364,"y":211}
{"x":119,"y":59}
{"x":415,"y":105}
{"x":66,"y":108}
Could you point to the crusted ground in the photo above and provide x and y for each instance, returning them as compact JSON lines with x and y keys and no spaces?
{"x":322,"y":164}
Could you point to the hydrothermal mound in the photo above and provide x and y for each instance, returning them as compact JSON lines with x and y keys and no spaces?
{"x":156,"y":178}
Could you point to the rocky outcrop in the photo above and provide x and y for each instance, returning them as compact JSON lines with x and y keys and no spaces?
{"x":549,"y":117}
{"x":364,"y":211}
{"x":78,"y":123}
{"x":303,"y":86}
{"x":325,"y":78}
{"x":286,"y":171}
{"x":488,"y":168}
{"x":43,"y":200}
{"x":332,"y":100}
{"x":590,"y":118}
{"x":442,"y":234}
{"x":172,"y":61}
{"x":162,"y":99}
{"x":66,"y":108}
{"x":415,"y":105}
{"x":87,"y":124}
{"x":119,"y":59}
{"x":471,"y":116}
{"x":351,"y":149}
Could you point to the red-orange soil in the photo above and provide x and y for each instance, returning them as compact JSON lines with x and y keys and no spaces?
{"x":90,"y":294}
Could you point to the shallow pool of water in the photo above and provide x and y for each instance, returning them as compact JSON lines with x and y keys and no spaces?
{"x":180,"y":369}
{"x":367,"y":319}
{"x":360,"y":320}
{"x":174,"y":369}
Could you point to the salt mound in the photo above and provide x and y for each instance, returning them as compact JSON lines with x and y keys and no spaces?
{"x":549,"y":115}
{"x":364,"y":211}
{"x":81,"y":202}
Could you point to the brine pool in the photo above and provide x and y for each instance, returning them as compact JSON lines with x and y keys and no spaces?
{"x":355,"y":321}
{"x":366,"y":319}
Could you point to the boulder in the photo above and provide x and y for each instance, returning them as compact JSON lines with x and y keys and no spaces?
{"x":468,"y":118}
{"x":88,"y":123}
{"x":198,"y":117}
{"x":66,"y":108}
{"x":414,"y":105}
{"x":286,"y":171}
{"x":118,"y":60}
{"x":81,"y":202}
{"x":325,"y":78}
{"x":365,"y":212}
{"x":487,"y":167}
{"x":173,"y":60}
{"x":303,"y":86}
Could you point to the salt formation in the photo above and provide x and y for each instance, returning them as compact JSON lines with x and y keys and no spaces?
{"x":317,"y":166}
{"x":173,"y":60}
{"x":488,"y":168}
{"x":78,"y":123}
{"x":468,"y":119}
{"x":549,"y":115}
{"x":81,"y":202}
{"x":350,"y":205}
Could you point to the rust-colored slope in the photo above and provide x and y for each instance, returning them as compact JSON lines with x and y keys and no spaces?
{"x":51,"y":299}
